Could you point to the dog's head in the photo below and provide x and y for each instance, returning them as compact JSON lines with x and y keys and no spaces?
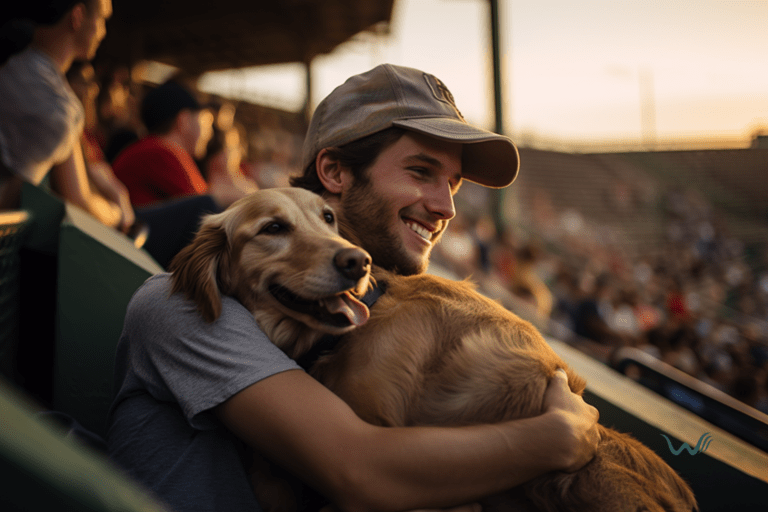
{"x":279,"y":253}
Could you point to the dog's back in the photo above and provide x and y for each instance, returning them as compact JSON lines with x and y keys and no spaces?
{"x":435,"y":352}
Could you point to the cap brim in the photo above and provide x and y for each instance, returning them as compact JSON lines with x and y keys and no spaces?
{"x":488,"y":159}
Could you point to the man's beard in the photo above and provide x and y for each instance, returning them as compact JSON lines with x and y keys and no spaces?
{"x":365,"y":221}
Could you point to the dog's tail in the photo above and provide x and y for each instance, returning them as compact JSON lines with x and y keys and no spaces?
{"x":196,"y":267}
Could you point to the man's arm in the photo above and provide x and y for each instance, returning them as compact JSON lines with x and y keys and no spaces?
{"x":105,"y":181}
{"x":303,"y":426}
{"x":70,"y":179}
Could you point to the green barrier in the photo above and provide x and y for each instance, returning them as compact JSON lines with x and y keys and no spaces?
{"x":99,"y":270}
{"x":40,"y":470}
{"x":730,"y":475}
{"x":47,"y":212}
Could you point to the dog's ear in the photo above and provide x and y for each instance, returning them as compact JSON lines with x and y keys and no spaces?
{"x":195,"y":269}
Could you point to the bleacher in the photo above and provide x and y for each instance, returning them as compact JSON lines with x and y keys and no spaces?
{"x":733,"y":180}
{"x":606,"y":191}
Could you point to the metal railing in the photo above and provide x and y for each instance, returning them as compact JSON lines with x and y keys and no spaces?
{"x":705,"y":400}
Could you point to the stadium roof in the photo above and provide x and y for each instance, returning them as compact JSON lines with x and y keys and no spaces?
{"x":199,"y":36}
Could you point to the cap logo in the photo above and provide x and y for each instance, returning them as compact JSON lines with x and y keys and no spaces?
{"x":441,"y":93}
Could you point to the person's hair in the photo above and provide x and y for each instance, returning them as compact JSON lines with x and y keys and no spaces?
{"x":358,"y":156}
{"x":19,"y":20}
{"x":164,"y":127}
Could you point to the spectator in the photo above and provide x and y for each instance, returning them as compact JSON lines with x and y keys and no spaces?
{"x":41,"y":118}
{"x":223,"y":169}
{"x":161,"y":166}
{"x":171,"y":224}
{"x":526,"y":282}
{"x":118,"y":108}
{"x":82,"y":79}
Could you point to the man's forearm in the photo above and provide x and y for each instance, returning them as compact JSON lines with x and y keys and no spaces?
{"x":107,"y":212}
{"x":70,"y":179}
{"x":300,"y":424}
{"x":451,"y":466}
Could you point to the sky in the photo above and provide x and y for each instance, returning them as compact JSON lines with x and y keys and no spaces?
{"x":575,"y":72}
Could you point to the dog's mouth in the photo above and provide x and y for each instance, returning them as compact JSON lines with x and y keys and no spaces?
{"x":340,"y":310}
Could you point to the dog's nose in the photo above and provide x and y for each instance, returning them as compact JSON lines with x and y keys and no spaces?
{"x":353,"y":263}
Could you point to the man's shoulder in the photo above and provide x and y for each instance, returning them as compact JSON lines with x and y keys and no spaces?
{"x":30,"y":83}
{"x":150,"y":150}
{"x":155,"y":302}
{"x":148,"y":144}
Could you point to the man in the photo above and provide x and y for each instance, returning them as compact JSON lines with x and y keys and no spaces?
{"x":161,"y":166}
{"x":41,"y":119}
{"x":389,"y":150}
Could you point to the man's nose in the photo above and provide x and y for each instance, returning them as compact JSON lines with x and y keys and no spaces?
{"x":440,"y":202}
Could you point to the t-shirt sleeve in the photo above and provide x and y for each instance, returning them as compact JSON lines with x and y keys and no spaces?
{"x":172,"y":353}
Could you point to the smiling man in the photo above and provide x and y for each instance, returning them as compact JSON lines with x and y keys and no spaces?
{"x":388,"y":150}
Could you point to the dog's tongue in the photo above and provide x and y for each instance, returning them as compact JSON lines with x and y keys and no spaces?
{"x":356,"y":312}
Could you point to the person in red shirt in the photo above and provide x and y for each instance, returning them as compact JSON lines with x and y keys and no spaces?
{"x":161,"y":166}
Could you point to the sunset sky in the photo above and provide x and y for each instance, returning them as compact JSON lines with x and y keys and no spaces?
{"x":575,"y":71}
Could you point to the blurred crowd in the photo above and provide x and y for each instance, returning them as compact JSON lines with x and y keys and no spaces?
{"x":236,"y":158}
{"x":693,"y":301}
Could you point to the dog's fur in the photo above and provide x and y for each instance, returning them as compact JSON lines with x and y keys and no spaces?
{"x":434,"y":351}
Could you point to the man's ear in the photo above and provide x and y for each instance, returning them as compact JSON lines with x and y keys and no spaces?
{"x":334,"y":176}
{"x":77,"y":15}
{"x":183,"y":118}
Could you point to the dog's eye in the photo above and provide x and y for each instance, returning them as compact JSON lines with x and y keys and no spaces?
{"x":329,"y":218}
{"x":274,"y":228}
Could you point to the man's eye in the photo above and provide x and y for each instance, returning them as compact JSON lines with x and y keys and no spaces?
{"x":274,"y":228}
{"x":329,"y":218}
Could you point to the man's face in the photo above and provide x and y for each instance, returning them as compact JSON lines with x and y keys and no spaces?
{"x":93,"y":28}
{"x":196,"y":129}
{"x":202,"y":131}
{"x":400,"y":211}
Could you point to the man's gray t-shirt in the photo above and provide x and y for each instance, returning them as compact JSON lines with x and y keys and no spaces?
{"x":172,"y":368}
{"x":41,"y":118}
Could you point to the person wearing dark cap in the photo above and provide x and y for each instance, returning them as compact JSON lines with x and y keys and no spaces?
{"x":388,"y":149}
{"x":41,"y":118}
{"x":162,"y":165}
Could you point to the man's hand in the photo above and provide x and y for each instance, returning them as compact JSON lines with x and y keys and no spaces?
{"x":109,"y":186}
{"x":578,"y":419}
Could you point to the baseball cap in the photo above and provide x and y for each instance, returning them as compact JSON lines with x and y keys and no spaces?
{"x":390,"y":95}
{"x":165,"y":102}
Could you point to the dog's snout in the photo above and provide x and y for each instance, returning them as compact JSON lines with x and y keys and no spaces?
{"x":352,"y":263}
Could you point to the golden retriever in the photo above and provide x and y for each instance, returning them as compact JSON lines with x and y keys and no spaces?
{"x":432,"y":352}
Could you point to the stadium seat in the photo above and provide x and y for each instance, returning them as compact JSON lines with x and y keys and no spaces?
{"x":98,"y":269}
